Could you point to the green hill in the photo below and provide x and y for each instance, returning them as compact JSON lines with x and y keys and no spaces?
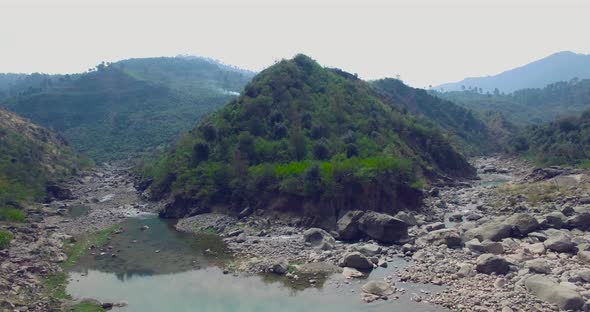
{"x":307,"y":140}
{"x":30,"y":157}
{"x":565,"y":141}
{"x":129,"y":107}
{"x":463,"y":126}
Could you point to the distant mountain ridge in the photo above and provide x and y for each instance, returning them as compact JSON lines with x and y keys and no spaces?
{"x":561,"y":66}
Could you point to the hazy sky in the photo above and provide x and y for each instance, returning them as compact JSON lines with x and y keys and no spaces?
{"x":424,"y":41}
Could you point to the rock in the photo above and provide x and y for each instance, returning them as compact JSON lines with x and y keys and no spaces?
{"x":235,"y":233}
{"x":314,"y":268}
{"x":540,"y":266}
{"x":378,"y":288}
{"x":555,"y":220}
{"x":466,"y":270}
{"x":475,"y":246}
{"x":434,"y":226}
{"x":383,"y":228}
{"x":434,"y":192}
{"x":144,"y":227}
{"x":495,"y":248}
{"x":522,"y":224}
{"x":58,"y":192}
{"x":493,"y":231}
{"x":408,"y":218}
{"x":107,"y":305}
{"x":456,"y":217}
{"x":537,"y":248}
{"x":351,"y":273}
{"x":489,"y":263}
{"x":357,"y":260}
{"x":369,"y":250}
{"x":245,"y":212}
{"x":280,"y":267}
{"x":319,"y":238}
{"x":562,"y":296}
{"x":348,"y":227}
{"x":242,"y":237}
{"x":500,"y":283}
{"x":560,"y":243}
{"x":584,"y":256}
{"x":448,"y":237}
{"x":581,"y":220}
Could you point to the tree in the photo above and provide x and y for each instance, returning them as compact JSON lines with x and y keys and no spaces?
{"x":297,"y":141}
{"x":321,"y":151}
{"x":200,"y":153}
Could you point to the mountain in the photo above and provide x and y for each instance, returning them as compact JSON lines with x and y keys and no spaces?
{"x":129,"y":107}
{"x":565,"y":141}
{"x":30,"y":157}
{"x":306,"y":140}
{"x":463,"y":126}
{"x":561,"y":66}
{"x":529,"y":106}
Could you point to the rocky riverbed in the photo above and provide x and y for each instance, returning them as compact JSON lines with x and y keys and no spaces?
{"x":516,"y":239}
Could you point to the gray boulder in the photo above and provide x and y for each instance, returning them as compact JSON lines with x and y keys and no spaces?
{"x":555,"y":220}
{"x":348,"y":227}
{"x":581,"y":220}
{"x":560,"y":242}
{"x":489,"y":263}
{"x":584,"y":256}
{"x":521,"y":224}
{"x":369,"y":250}
{"x":408,"y":218}
{"x":448,"y":237}
{"x":540,"y":266}
{"x":544,"y":288}
{"x":280,"y":267}
{"x":475,"y":246}
{"x":495,"y":248}
{"x":493,"y":231}
{"x":319,"y":238}
{"x":434,"y":226}
{"x":378,"y":288}
{"x":357,"y":260}
{"x":383,"y":228}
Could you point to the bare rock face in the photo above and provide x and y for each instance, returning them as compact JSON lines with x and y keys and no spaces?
{"x":544,"y":288}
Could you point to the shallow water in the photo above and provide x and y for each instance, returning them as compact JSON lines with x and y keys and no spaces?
{"x":183,"y":276}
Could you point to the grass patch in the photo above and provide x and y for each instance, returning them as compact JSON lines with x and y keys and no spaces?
{"x":5,"y":239}
{"x":87,"y":307}
{"x":12,"y":214}
{"x":209,"y":230}
{"x":534,"y":193}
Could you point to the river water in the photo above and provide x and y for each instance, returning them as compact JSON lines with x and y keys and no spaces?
{"x":161,"y":269}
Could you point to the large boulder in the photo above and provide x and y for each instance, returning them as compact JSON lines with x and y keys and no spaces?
{"x":408,"y":218}
{"x":357,"y":260}
{"x":562,"y":296}
{"x":494,"y":231}
{"x":489,"y":263}
{"x":555,"y":220}
{"x":448,"y":237}
{"x":319,"y":238}
{"x":581,"y":220}
{"x":521,"y":224}
{"x":539,"y":265}
{"x":58,"y":192}
{"x":378,"y":288}
{"x":383,"y":228}
{"x":560,"y":242}
{"x":348,"y":226}
{"x":584,"y":256}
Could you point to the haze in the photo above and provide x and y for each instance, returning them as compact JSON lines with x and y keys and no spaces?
{"x":422,"y":41}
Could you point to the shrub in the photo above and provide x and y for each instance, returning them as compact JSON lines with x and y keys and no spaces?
{"x":5,"y":238}
{"x":12,"y":215}
{"x":320,"y":151}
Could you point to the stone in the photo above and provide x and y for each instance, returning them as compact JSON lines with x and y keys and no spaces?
{"x":489,"y":263}
{"x":493,"y":231}
{"x":540,"y":266}
{"x":555,"y":220}
{"x":475,"y":246}
{"x":351,"y":273}
{"x":537,"y":248}
{"x":357,"y":260}
{"x":495,"y":248}
{"x":408,"y":218}
{"x":383,"y":228}
{"x":242,"y":237}
{"x":280,"y":267}
{"x":562,"y":296}
{"x":521,"y":224}
{"x":434,"y":226}
{"x":448,"y":237}
{"x":144,"y":227}
{"x":319,"y":238}
{"x":584,"y":256}
{"x":369,"y":249}
{"x":314,"y":268}
{"x":466,"y":270}
{"x":348,"y":227}
{"x":456,"y":217}
{"x":245,"y":212}
{"x":560,"y":243}
{"x":581,"y":220}
{"x":378,"y":288}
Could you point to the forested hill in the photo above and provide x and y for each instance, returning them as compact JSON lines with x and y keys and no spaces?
{"x":565,"y":141}
{"x":308,"y":139}
{"x":465,"y":127}
{"x":129,"y":107}
{"x":561,"y":66}
{"x":30,"y":156}
{"x":529,"y":106}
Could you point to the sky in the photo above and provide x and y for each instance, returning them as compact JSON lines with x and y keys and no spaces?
{"x":425,"y":42}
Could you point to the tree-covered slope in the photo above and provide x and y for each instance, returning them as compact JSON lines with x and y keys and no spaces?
{"x":129,"y":107}
{"x":561,"y":66}
{"x":30,"y":156}
{"x":529,"y":106}
{"x":465,"y":127}
{"x":565,"y":141}
{"x":307,"y":140}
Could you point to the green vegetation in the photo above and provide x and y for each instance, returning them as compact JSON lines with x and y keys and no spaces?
{"x":564,"y":141}
{"x":87,"y":307}
{"x":11,"y":214}
{"x":313,"y":135}
{"x":462,"y":125}
{"x":129,"y":107}
{"x":5,"y":239}
{"x":528,"y":106}
{"x":30,"y":156}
